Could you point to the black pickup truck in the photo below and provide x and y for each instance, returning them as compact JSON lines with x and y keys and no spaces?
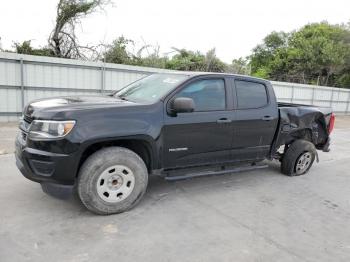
{"x":176,"y":125}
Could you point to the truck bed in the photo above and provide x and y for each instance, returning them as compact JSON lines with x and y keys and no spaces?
{"x":298,"y":120}
{"x":305,"y":108}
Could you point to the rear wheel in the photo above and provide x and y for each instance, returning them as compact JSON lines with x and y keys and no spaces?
{"x":112,"y":180}
{"x":298,"y":158}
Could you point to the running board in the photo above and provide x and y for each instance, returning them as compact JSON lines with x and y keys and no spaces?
{"x":215,"y":173}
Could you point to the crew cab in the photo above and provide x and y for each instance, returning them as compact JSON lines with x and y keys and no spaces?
{"x":176,"y":125}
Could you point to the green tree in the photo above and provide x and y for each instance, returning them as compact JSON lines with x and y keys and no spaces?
{"x":239,"y":66}
{"x":69,"y":13}
{"x":26,"y":48}
{"x":317,"y":54}
{"x":187,"y":60}
{"x":213,"y":63}
{"x":153,"y":58}
{"x":117,"y":52}
{"x":267,"y":58}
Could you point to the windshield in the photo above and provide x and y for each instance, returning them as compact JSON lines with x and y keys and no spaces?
{"x":151,"y":88}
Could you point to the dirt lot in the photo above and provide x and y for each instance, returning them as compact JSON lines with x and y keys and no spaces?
{"x":251,"y":216}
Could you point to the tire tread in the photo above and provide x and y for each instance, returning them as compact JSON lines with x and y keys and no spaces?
{"x":293,"y":152}
{"x":88,"y":171}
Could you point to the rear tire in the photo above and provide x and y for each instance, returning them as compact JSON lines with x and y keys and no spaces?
{"x":112,"y":180}
{"x":298,"y":158}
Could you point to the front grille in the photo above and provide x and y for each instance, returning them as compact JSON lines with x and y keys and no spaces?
{"x":24,"y":136}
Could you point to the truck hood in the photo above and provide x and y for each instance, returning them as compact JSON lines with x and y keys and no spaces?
{"x":72,"y":103}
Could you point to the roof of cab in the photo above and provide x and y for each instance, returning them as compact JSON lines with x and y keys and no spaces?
{"x":196,"y":73}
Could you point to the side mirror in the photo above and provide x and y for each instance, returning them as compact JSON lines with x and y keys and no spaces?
{"x":182,"y":105}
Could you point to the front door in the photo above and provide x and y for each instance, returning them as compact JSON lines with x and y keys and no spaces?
{"x":203,"y":136}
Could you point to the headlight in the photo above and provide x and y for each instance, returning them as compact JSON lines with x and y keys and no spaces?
{"x":47,"y":129}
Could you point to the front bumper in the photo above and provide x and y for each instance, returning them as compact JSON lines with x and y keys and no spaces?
{"x":55,"y":172}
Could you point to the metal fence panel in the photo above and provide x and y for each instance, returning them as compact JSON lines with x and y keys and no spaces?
{"x":24,"y":78}
{"x":9,"y":73}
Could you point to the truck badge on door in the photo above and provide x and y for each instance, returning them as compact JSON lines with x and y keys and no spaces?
{"x":178,"y":149}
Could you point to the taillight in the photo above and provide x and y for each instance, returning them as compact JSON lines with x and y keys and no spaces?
{"x":331,"y":124}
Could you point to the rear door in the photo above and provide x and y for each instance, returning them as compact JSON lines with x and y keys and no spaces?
{"x":205,"y":135}
{"x":256,"y":118}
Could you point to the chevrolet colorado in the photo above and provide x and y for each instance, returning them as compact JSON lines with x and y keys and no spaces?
{"x":177,"y":125}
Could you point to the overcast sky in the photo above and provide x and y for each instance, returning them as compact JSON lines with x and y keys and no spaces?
{"x":233,"y":27}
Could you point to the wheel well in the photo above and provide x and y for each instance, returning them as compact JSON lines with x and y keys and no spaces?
{"x":305,"y":134}
{"x":140,"y":147}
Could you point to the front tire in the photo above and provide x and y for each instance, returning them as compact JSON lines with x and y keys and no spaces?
{"x":298,"y":158}
{"x":112,"y":180}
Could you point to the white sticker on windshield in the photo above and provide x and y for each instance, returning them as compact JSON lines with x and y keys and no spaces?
{"x":170,"y":80}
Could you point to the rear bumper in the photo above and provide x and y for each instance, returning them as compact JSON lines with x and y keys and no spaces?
{"x":55,"y":172}
{"x":325,"y":147}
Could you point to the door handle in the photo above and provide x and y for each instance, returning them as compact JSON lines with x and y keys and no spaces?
{"x":223,"y":121}
{"x":267,"y":118}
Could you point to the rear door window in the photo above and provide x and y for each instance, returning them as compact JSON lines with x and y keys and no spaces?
{"x":250,"y":94}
